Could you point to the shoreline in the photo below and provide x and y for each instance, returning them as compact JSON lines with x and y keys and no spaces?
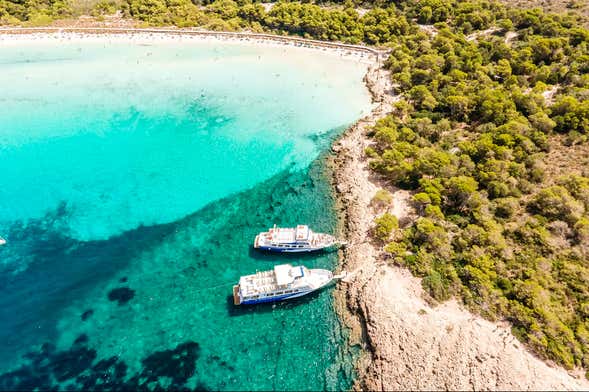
{"x":364,"y":53}
{"x":353,"y":192}
{"x":408,"y":343}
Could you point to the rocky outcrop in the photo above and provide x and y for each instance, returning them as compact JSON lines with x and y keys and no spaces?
{"x":416,"y":347}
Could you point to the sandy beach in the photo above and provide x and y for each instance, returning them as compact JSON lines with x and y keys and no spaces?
{"x":409,"y":344}
{"x":20,"y":36}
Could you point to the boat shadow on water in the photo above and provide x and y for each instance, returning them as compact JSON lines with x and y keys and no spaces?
{"x":242,"y":310}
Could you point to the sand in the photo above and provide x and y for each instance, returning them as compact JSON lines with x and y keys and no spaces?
{"x":19,"y":36}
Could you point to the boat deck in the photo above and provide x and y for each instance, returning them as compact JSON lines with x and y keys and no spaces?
{"x":261,"y":282}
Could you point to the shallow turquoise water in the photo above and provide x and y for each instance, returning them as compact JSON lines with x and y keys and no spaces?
{"x":149,"y":169}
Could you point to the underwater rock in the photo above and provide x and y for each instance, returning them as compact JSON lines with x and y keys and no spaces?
{"x":121,"y":294}
{"x":87,"y":314}
{"x":120,"y":370}
{"x":76,"y":368}
{"x":178,"y":364}
{"x":201,"y":387}
{"x":83,"y":338}
{"x":104,"y":364}
{"x":71,"y":363}
{"x":24,"y":380}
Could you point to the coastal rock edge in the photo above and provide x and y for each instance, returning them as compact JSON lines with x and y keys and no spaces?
{"x":408,"y":344}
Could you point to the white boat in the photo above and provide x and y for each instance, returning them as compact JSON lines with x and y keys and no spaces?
{"x":283,"y":282}
{"x":2,"y":241}
{"x":294,"y":239}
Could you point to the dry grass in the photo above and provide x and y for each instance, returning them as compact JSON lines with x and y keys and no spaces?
{"x":565,"y":160}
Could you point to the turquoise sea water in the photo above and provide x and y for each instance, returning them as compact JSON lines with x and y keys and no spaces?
{"x":134,"y":179}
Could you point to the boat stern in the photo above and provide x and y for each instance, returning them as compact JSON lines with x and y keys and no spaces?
{"x":236,"y":295}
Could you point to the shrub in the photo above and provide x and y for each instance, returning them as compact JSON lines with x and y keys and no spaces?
{"x":385,"y":224}
{"x":8,"y":19}
{"x":432,"y":211}
{"x":578,"y":186}
{"x":104,"y":7}
{"x":571,"y":114}
{"x":370,"y":152}
{"x":39,"y":19}
{"x":396,"y":249}
{"x":556,"y":203}
{"x":506,"y":207}
{"x":151,"y":11}
{"x":381,"y":199}
{"x":582,"y":231}
{"x":437,"y":284}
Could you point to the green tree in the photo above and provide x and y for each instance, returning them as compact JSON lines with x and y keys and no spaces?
{"x":385,"y":224}
{"x":458,"y":191}
{"x":422,"y":98}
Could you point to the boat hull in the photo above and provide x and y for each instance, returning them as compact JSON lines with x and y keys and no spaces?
{"x":276,"y":299}
{"x":295,"y":245}
{"x":277,"y":249}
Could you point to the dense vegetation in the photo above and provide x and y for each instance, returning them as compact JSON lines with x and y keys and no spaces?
{"x":487,"y":91}
{"x":469,"y":137}
{"x":33,"y":12}
{"x":341,"y":23}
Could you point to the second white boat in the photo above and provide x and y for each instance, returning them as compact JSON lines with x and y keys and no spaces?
{"x":283,"y":282}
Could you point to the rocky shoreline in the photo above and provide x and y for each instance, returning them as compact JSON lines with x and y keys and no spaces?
{"x":408,"y":343}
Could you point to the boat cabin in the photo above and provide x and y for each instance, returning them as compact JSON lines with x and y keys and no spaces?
{"x":286,"y":274}
{"x":286,"y":236}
